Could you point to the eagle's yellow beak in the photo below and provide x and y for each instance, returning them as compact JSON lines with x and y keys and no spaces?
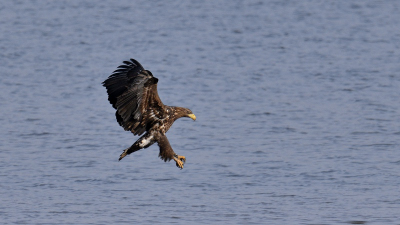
{"x":192,"y":116}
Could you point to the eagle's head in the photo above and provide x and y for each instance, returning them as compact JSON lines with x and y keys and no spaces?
{"x":184,"y":112}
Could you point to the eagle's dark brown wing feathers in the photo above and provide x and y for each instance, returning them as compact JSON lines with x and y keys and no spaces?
{"x":133,"y":91}
{"x":128,"y":103}
{"x":118,"y":82}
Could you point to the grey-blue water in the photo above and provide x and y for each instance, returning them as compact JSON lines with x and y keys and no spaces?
{"x":297,"y":104}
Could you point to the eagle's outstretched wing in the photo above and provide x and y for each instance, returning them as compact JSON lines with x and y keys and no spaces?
{"x":132,"y":90}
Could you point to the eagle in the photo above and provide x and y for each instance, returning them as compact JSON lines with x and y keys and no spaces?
{"x":132,"y":91}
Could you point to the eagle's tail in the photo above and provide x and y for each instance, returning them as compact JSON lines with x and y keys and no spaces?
{"x":143,"y":142}
{"x":128,"y":151}
{"x":125,"y":153}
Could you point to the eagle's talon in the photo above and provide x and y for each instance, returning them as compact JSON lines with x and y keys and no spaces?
{"x":179,"y":162}
{"x":182,"y":158}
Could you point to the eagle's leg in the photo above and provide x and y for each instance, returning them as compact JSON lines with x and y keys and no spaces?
{"x":143,"y":142}
{"x":180,"y":160}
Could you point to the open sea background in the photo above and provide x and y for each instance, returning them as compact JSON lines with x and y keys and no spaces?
{"x":297,"y":105}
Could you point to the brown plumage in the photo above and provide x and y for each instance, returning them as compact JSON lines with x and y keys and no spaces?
{"x":132,"y":91}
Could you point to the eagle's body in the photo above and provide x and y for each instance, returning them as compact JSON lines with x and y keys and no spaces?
{"x":132,"y":91}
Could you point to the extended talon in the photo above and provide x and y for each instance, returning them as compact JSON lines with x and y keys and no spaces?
{"x":179,"y":164}
{"x":180,"y":161}
{"x":182,"y":158}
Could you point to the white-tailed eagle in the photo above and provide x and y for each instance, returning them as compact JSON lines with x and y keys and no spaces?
{"x":132,"y":91}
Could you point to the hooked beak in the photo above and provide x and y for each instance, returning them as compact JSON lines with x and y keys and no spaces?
{"x":192,"y":116}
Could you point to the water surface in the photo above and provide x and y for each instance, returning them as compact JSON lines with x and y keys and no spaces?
{"x":297,"y":105}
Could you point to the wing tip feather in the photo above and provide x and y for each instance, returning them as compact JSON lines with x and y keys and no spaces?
{"x":126,"y":78}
